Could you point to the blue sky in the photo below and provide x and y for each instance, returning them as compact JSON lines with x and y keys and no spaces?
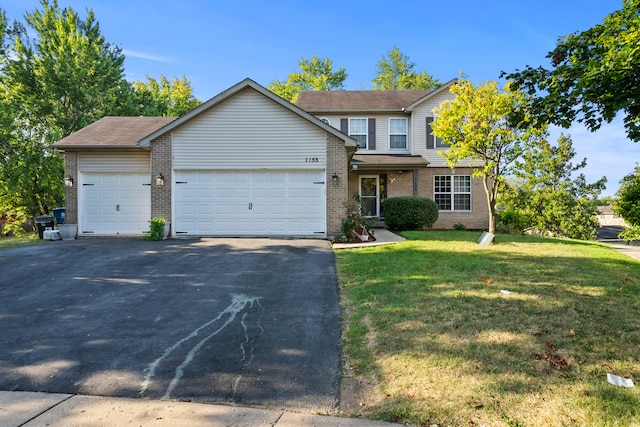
{"x":216,"y":44}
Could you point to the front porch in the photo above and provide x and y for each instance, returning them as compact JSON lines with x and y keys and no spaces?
{"x":375,"y":177}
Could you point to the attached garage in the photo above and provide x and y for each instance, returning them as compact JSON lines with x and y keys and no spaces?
{"x":244,"y":163}
{"x":257,"y":203}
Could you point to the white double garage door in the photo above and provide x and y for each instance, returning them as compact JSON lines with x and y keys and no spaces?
{"x":210,"y":203}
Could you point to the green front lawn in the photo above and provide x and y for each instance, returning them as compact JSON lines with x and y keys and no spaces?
{"x":9,"y":242}
{"x":426,"y":319}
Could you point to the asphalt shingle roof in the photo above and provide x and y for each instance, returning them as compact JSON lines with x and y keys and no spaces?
{"x":358,"y":100}
{"x":114,"y":132}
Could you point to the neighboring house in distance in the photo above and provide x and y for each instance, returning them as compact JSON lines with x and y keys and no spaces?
{"x":606,"y":216}
{"x":249,"y":163}
{"x":397,"y":152}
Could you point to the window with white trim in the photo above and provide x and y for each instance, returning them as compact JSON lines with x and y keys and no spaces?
{"x":452,"y":193}
{"x":358,"y":131}
{"x":398,"y":133}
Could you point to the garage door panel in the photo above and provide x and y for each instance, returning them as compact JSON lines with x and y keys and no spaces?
{"x":108,"y":226}
{"x":108,"y":179}
{"x":108,"y":194}
{"x":115,"y":203}
{"x":250,"y":203}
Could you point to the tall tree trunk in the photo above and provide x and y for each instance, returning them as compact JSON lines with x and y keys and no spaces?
{"x":491,"y":203}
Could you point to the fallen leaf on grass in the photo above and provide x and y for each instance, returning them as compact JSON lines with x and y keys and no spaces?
{"x":555,"y":360}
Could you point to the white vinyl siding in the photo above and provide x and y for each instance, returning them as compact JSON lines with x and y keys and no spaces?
{"x":381,"y":131}
{"x":249,"y":131}
{"x":418,"y":131}
{"x":115,"y":162}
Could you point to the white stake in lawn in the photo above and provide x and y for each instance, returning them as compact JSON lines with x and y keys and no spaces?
{"x":619,"y":381}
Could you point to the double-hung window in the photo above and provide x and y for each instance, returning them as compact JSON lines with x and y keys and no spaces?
{"x":358,"y":131}
{"x":398,"y":134}
{"x":452,"y":193}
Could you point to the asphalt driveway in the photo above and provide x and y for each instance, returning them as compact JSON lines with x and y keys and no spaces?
{"x":251,"y":321}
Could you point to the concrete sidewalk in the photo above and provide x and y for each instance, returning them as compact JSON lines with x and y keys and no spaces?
{"x":31,"y":409}
{"x":630,"y":250}
{"x":382,"y":236}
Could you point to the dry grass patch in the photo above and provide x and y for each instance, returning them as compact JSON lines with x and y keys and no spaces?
{"x":427,"y":319}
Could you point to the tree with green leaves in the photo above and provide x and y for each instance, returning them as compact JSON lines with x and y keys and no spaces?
{"x":550,"y":199}
{"x":56,"y":78}
{"x":68,"y":76}
{"x":315,"y":74}
{"x":594,"y":75}
{"x":627,"y":204}
{"x":162,"y":98}
{"x":476,"y":126}
{"x":395,"y":72}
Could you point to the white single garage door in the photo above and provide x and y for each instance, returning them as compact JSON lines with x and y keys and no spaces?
{"x":278,"y":203}
{"x":115,"y":203}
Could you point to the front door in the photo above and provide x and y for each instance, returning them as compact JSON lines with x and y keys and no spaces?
{"x":370,"y":194}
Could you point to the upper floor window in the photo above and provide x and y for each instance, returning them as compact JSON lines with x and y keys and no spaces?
{"x":432,"y":140}
{"x":440,"y":144}
{"x":398,"y":133}
{"x":452,"y":193}
{"x":358,"y":131}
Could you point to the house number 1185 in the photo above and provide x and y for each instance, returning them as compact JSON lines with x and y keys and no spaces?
{"x":311,"y":160}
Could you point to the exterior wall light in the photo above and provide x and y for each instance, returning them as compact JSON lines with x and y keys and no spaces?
{"x":334,"y":178}
{"x":160,"y":180}
{"x":68,"y":181}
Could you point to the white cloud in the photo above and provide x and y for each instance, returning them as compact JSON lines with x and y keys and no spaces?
{"x":147,"y":56}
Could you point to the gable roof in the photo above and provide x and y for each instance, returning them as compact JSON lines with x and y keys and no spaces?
{"x":110,"y":132}
{"x":358,"y":101}
{"x":246,"y":84}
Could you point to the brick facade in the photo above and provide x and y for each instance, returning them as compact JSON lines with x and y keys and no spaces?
{"x":337,"y":192}
{"x":161,"y":164}
{"x":71,"y":193}
{"x":476,"y":219}
{"x":420,"y":182}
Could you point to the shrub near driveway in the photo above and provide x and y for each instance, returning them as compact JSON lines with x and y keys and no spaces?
{"x":427,"y":319}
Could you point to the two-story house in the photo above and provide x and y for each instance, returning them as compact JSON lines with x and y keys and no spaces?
{"x":397,"y":153}
{"x":249,"y":163}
